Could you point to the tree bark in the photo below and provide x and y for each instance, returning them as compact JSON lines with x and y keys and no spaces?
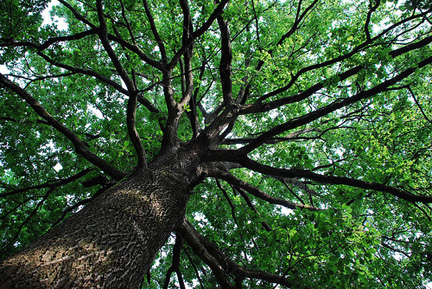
{"x":110,"y":243}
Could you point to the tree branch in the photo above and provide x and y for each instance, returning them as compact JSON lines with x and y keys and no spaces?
{"x":333,"y":180}
{"x":50,"y":184}
{"x":131,"y":47}
{"x":175,"y":265}
{"x":355,"y":50}
{"x":197,"y":33}
{"x":274,"y":140}
{"x":155,"y":33}
{"x":132,"y":102}
{"x":231,"y":179}
{"x":80,"y":146}
{"x":372,"y":9}
{"x":225,"y":66}
{"x":314,"y":115}
{"x":222,"y":264}
{"x":195,"y":240}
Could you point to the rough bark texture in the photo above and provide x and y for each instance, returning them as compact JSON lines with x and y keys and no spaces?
{"x":111,"y":243}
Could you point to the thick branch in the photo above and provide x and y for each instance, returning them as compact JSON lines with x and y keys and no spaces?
{"x":80,"y":146}
{"x":195,"y":240}
{"x":225,"y":67}
{"x":175,"y":265}
{"x":221,"y":263}
{"x":188,"y":75}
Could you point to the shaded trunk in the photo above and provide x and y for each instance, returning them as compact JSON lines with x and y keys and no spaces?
{"x":111,"y":243}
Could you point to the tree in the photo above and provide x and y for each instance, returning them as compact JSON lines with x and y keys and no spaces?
{"x":240,"y":144}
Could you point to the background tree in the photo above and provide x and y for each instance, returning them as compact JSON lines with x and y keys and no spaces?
{"x":256,"y":144}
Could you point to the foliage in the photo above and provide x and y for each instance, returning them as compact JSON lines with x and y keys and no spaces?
{"x":328,"y":152}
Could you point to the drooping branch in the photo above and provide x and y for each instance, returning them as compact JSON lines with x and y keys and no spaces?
{"x":80,"y":146}
{"x":248,"y":201}
{"x":230,"y":203}
{"x":194,"y":267}
{"x":418,"y":105}
{"x":195,"y":240}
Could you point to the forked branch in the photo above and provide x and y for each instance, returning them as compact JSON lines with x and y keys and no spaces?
{"x":133,"y":94}
{"x":231,"y":179}
{"x":221,"y":265}
{"x":316,"y":114}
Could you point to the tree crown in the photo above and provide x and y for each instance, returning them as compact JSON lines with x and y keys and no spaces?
{"x":311,"y":120}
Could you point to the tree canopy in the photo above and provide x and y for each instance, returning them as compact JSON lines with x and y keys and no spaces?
{"x":312,"y":120}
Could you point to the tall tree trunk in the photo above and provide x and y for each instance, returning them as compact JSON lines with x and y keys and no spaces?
{"x":111,"y":243}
